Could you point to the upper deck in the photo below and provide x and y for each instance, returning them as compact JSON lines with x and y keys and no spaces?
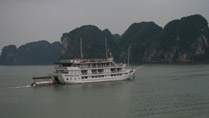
{"x":81,"y":61}
{"x":90,"y":63}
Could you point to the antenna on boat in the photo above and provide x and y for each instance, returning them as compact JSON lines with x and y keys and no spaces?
{"x":81,"y":47}
{"x":129,"y":46}
{"x":106,"y":47}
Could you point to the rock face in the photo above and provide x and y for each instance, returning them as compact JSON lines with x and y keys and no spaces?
{"x":41,"y":52}
{"x":184,"y":40}
{"x":8,"y":55}
{"x":93,"y":40}
{"x":139,"y":36}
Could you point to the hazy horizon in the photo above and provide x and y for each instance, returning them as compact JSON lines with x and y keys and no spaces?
{"x":26,"y":21}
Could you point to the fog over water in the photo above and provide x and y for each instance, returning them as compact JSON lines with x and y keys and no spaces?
{"x":24,"y":21}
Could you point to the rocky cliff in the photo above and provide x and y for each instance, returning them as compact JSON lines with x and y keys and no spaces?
{"x":41,"y":52}
{"x":93,"y":40}
{"x":183,"y":40}
{"x":139,"y":37}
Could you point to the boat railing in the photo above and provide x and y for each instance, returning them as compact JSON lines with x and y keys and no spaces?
{"x":61,"y":71}
{"x":102,"y":72}
{"x":61,"y":68}
{"x":82,"y":67}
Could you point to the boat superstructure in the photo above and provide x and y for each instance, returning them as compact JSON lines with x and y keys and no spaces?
{"x":90,"y":70}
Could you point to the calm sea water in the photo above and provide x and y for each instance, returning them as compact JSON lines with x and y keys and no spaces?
{"x":158,"y":91}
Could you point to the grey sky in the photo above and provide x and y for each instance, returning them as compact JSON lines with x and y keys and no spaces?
{"x":23,"y":21}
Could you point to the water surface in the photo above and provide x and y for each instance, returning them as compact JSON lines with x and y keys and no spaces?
{"x":158,"y":91}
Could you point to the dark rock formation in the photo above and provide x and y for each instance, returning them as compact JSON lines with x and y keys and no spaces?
{"x":139,"y":36}
{"x":93,"y":40}
{"x":41,"y":52}
{"x":181,"y":40}
{"x":8,"y":55}
{"x":184,"y":40}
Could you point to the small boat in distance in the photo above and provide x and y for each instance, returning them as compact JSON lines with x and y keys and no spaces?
{"x":75,"y":71}
{"x":40,"y":82}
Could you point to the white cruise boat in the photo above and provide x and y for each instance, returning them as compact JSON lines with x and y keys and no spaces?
{"x":90,"y":70}
{"x":74,"y":71}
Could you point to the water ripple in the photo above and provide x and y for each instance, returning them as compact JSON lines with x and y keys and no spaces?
{"x":16,"y":87}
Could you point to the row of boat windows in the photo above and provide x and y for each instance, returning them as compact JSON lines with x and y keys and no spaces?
{"x":87,"y":65}
{"x":91,"y":71}
{"x":98,"y":76}
{"x":101,"y":70}
{"x":93,"y":65}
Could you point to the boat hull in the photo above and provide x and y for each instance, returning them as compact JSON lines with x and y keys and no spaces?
{"x":63,"y":79}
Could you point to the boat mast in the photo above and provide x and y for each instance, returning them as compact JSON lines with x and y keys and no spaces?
{"x":128,"y":53}
{"x":81,"y":47}
{"x":106,"y":47}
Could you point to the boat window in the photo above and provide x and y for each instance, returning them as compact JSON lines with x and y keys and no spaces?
{"x":94,"y":65}
{"x":89,"y":66}
{"x":100,"y":70}
{"x":112,"y":70}
{"x":110,"y":64}
{"x":118,"y":69}
{"x":66,"y":64}
{"x":84,"y":71}
{"x":94,"y":71}
{"x":107,"y":64}
{"x":67,"y":79}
